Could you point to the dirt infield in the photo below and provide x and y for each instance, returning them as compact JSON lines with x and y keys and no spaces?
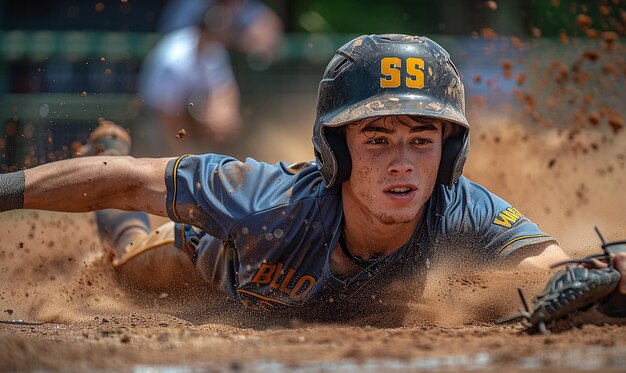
{"x":66,"y":310}
{"x":89,"y":321}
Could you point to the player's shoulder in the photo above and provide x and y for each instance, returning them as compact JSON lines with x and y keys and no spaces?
{"x":467,"y":201}
{"x":469,"y":215}
{"x":297,"y":167}
{"x":222,"y":190}
{"x":464,"y":190}
{"x":290,"y":170}
{"x":301,"y":179}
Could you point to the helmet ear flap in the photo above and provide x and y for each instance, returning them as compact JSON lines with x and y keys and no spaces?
{"x":453,"y":155}
{"x":336,"y":138}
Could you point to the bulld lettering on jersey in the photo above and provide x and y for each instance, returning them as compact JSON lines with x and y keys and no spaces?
{"x":287,"y":282}
{"x":508,"y":217}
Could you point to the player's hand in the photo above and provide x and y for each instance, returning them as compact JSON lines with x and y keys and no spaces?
{"x":619,"y":262}
{"x":615,"y":304}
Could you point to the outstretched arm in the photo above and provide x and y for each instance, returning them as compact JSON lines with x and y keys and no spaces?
{"x":94,"y":183}
{"x":549,"y":255}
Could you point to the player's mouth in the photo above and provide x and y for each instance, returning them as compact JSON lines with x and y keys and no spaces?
{"x":400,"y":191}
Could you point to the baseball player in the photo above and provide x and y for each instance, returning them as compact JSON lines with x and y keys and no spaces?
{"x":383,"y":200}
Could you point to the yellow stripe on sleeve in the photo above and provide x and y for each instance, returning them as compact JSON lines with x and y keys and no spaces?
{"x":175,"y":176}
{"x":517,"y":239}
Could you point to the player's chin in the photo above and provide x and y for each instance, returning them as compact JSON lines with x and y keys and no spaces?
{"x":397,"y":217}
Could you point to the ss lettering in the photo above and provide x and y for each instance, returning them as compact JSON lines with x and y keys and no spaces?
{"x":390,"y":69}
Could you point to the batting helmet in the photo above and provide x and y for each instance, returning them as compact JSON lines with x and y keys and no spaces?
{"x":380,"y":75}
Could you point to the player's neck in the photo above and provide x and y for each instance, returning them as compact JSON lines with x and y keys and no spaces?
{"x":367,"y":237}
{"x":365,"y":244}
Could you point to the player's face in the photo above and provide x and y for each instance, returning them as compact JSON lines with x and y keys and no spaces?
{"x":395,"y":160}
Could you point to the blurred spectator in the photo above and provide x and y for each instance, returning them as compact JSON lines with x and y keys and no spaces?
{"x":186,"y":81}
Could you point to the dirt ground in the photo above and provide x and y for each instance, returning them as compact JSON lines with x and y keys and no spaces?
{"x":76,"y":316}
{"x":84,"y":319}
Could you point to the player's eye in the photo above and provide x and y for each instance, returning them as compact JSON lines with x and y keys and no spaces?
{"x":422,"y":141}
{"x":377,"y":141}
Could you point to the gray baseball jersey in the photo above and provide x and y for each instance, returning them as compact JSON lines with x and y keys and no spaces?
{"x":265,"y":232}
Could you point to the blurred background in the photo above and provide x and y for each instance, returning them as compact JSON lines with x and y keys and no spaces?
{"x":544,"y":81}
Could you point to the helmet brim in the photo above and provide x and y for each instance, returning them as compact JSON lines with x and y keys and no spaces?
{"x":394,"y":104}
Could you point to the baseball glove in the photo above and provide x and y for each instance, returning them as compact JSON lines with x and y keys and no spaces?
{"x":572,"y":290}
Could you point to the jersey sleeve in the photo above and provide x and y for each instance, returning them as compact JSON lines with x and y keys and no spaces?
{"x":214,"y":192}
{"x":498,"y":228}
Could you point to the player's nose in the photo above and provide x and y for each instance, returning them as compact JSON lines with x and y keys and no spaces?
{"x":400,"y":162}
